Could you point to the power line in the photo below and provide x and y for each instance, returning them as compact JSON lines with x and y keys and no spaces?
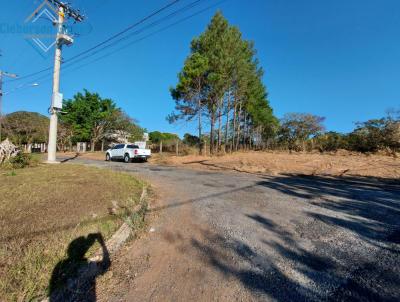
{"x":108,"y":39}
{"x":68,"y":61}
{"x":132,"y":42}
{"x":151,"y":34}
{"x":155,"y":23}
{"x":125,"y":30}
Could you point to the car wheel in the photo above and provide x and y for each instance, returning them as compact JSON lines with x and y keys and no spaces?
{"x":108,"y":157}
{"x":127,"y":159}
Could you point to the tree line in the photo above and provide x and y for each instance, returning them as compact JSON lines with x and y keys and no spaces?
{"x":220,"y":85}
{"x":86,"y":117}
{"x":306,"y":132}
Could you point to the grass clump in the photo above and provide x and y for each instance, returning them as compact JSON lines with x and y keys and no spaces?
{"x":20,"y":161}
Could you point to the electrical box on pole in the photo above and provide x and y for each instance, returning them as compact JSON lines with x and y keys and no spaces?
{"x":57,"y":101}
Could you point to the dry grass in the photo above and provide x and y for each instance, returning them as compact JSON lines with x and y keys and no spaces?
{"x":43,"y":209}
{"x":273,"y":163}
{"x":98,"y":155}
{"x":340,"y":163}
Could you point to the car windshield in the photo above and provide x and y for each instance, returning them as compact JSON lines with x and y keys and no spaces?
{"x":132,"y":147}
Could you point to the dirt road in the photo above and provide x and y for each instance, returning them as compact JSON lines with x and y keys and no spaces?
{"x":240,"y":237}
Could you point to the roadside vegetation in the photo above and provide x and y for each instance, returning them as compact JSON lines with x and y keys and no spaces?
{"x":220,"y":86}
{"x":24,"y":127}
{"x":20,"y":161}
{"x":87,"y":117}
{"x":43,"y":209}
{"x":91,"y":118}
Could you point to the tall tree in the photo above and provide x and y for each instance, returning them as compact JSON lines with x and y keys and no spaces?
{"x":189,"y":93}
{"x":213,"y":44}
{"x":296,"y":128}
{"x":231,"y":80}
{"x":24,"y":127}
{"x":93,"y":118}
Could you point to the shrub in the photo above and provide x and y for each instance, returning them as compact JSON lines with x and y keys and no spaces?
{"x":23,"y":160}
{"x":187,"y":150}
{"x":330,"y":141}
{"x":191,"y":140}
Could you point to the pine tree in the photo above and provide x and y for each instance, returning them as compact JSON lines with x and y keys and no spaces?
{"x":222,"y":75}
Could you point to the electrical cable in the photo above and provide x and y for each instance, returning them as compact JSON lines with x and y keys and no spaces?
{"x":129,"y":44}
{"x":158,"y":11}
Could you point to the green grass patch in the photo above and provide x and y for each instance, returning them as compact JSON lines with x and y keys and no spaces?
{"x":44,"y":209}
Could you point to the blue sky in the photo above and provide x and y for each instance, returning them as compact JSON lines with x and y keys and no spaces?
{"x":339,"y":59}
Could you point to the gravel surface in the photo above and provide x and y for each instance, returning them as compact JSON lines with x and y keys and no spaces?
{"x":239,"y":237}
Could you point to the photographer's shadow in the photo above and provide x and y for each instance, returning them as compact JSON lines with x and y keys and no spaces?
{"x":74,"y":279}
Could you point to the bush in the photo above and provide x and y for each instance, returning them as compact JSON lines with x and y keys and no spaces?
{"x":187,"y":150}
{"x":191,"y":140}
{"x":330,"y":141}
{"x":22,"y":160}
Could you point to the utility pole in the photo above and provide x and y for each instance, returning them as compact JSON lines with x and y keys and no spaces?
{"x":64,"y":9}
{"x":3,"y":74}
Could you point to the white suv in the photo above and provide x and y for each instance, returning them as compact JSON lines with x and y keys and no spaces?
{"x":127,"y":152}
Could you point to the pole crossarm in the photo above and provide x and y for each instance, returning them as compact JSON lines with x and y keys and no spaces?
{"x":68,"y":10}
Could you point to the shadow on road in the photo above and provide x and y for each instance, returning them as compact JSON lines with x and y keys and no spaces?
{"x":284,"y":269}
{"x":371,"y":206}
{"x":70,"y":158}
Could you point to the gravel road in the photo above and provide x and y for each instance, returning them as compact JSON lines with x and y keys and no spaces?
{"x":242,"y":237}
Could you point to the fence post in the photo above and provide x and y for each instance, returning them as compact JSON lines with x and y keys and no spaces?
{"x":160,"y":147}
{"x":177,"y":148}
